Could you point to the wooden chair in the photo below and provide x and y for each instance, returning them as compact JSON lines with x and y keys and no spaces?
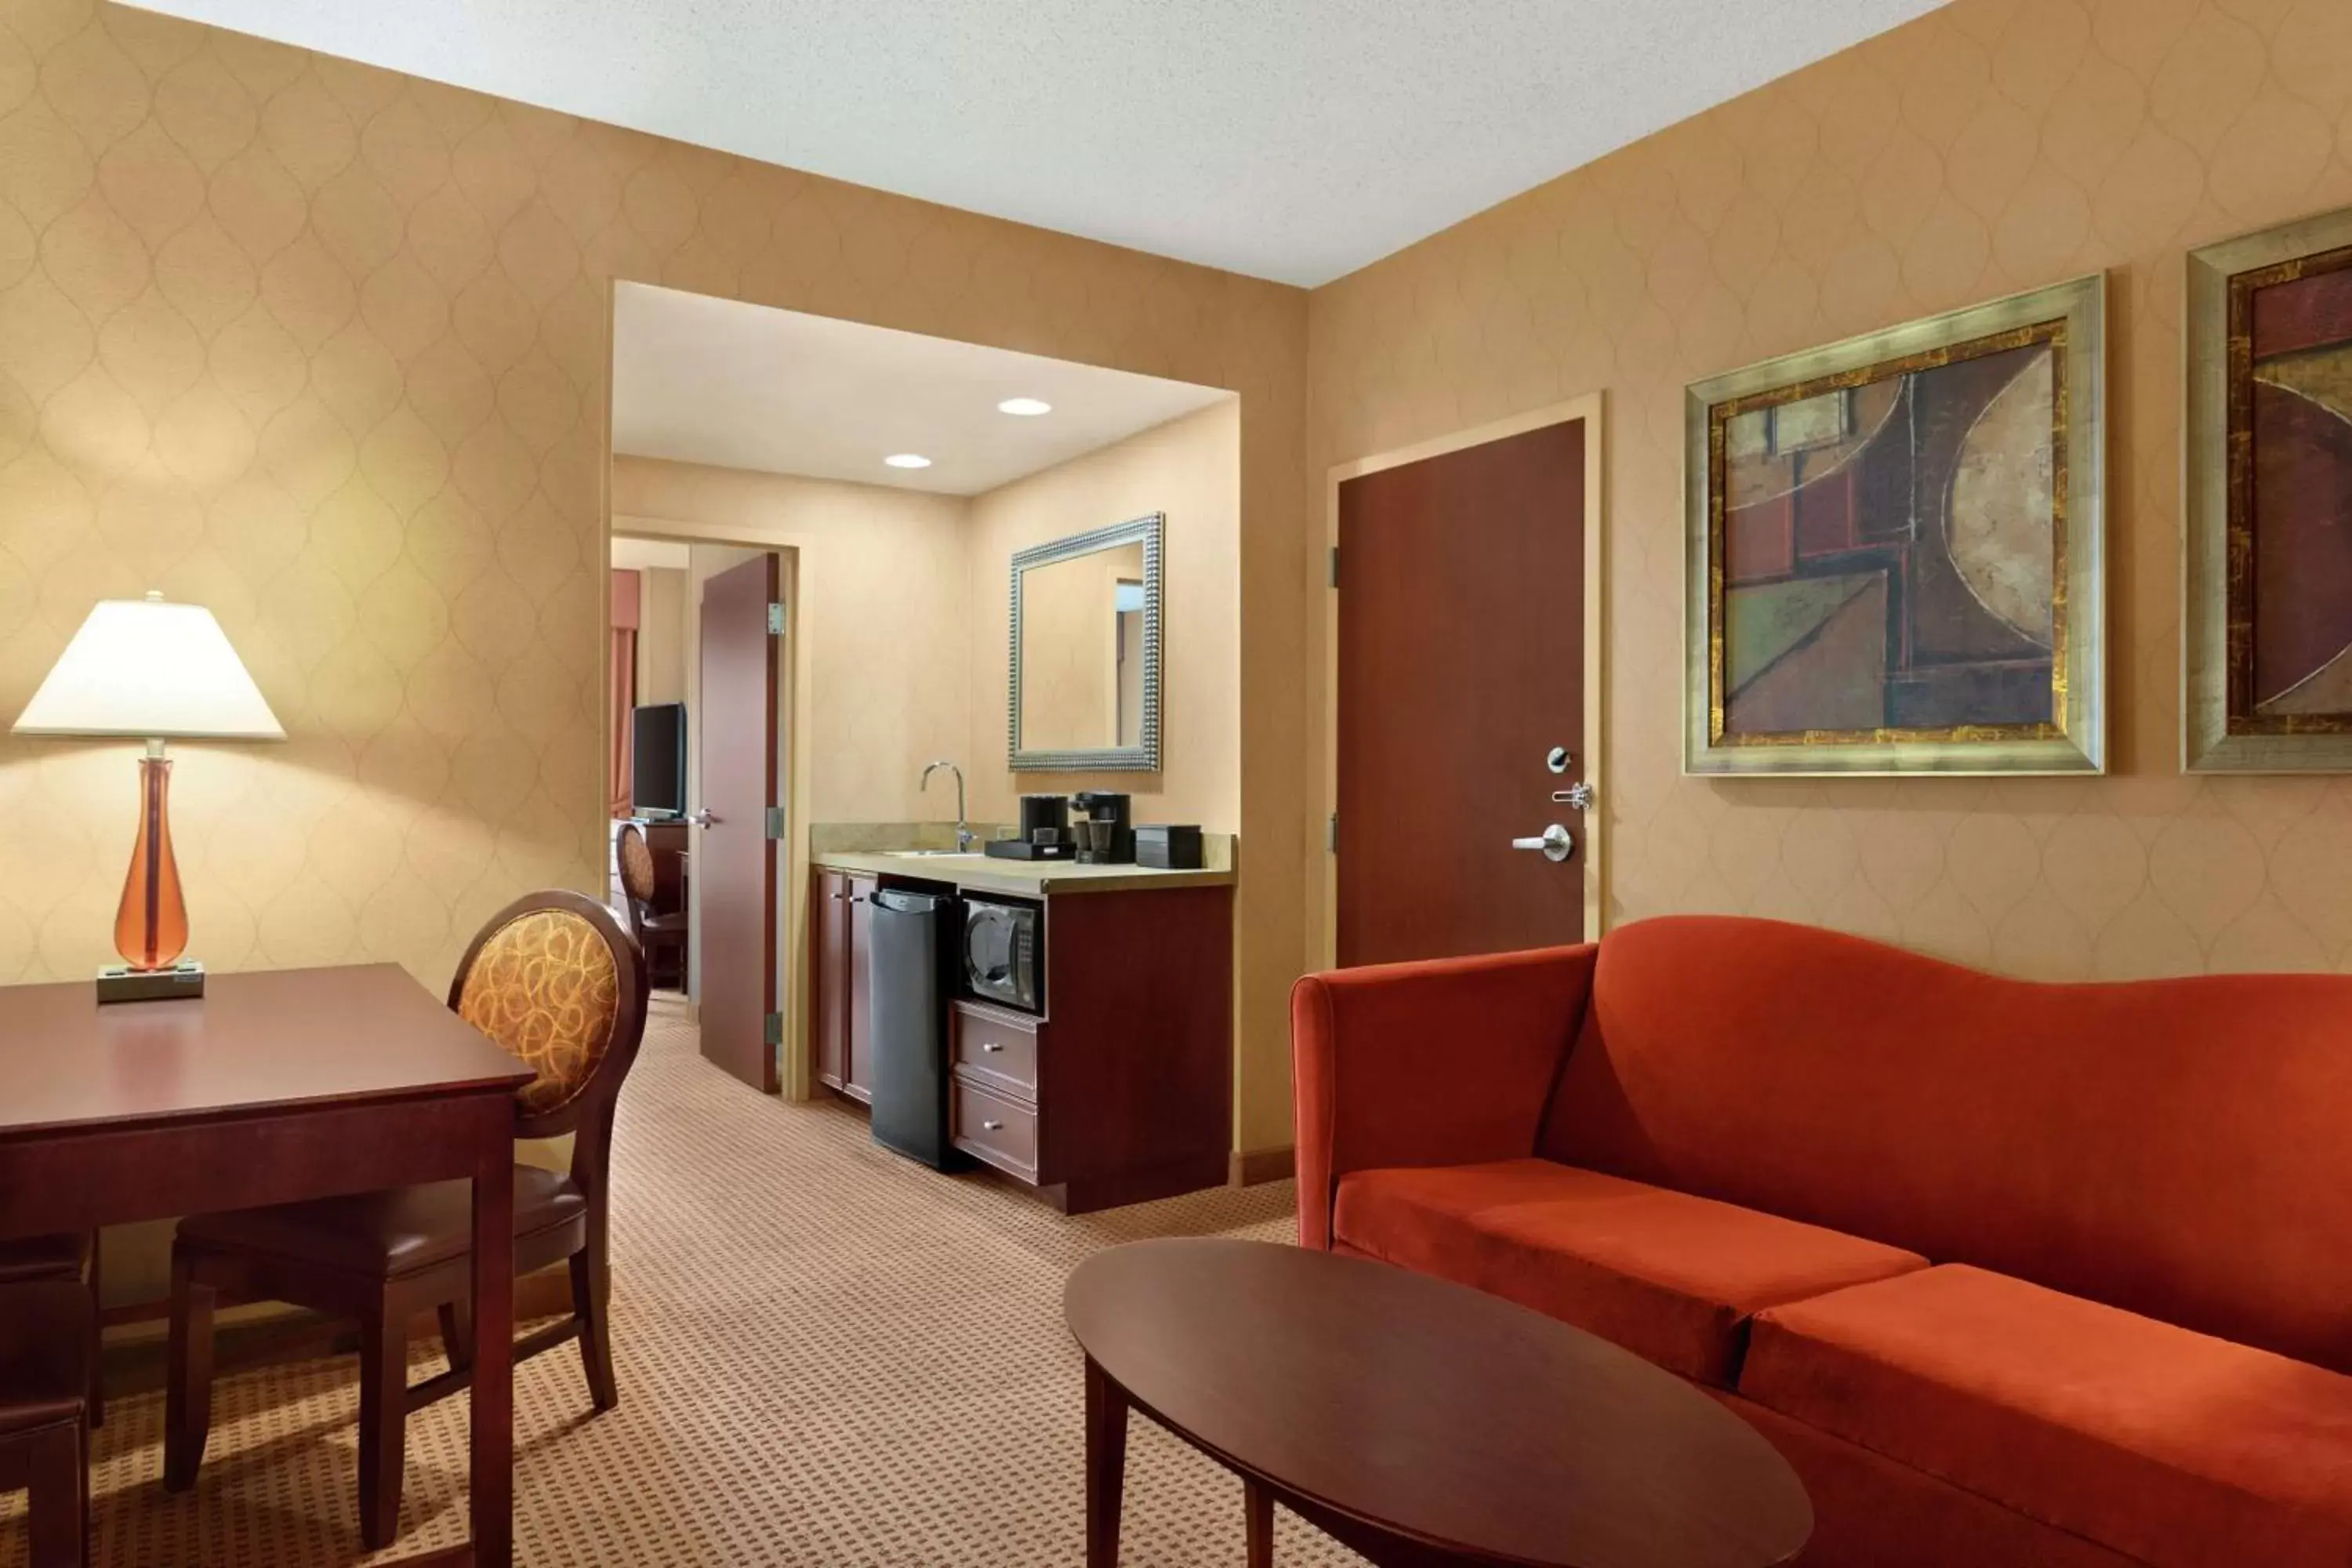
{"x":663,"y":936}
{"x":72,"y":1257}
{"x":45,"y":1414}
{"x":555,"y":981}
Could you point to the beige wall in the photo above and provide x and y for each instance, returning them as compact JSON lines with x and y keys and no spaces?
{"x":325,"y":348}
{"x":1188,"y":468}
{"x":663,"y":634}
{"x":882,"y":618}
{"x":1993,"y":146}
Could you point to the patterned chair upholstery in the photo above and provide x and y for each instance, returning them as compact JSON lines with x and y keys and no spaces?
{"x":547,"y":987}
{"x":662,"y":934}
{"x":555,"y":981}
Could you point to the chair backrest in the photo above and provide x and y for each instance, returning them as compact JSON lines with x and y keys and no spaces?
{"x":637,"y":866}
{"x":2176,"y":1148}
{"x":556,"y":982}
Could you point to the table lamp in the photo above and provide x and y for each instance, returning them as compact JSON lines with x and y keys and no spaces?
{"x":156,"y":672}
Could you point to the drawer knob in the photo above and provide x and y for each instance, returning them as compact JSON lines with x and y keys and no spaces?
{"x":992,"y":1126}
{"x":991,"y":1044}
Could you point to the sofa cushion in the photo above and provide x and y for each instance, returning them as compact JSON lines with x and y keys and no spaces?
{"x":2179,"y":1449}
{"x":2173,"y":1147}
{"x":1667,"y":1276}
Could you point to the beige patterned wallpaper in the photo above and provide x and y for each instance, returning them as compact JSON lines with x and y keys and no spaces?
{"x":325,"y":347}
{"x":1992,"y":146}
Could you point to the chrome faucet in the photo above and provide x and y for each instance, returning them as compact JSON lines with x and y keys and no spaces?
{"x":964,"y":835}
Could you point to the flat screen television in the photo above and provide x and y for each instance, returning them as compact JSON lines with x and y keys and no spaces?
{"x":658,"y":788}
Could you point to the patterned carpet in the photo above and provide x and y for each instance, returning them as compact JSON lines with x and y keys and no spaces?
{"x":828,"y":1356}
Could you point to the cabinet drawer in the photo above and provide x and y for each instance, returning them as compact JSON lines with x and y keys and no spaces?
{"x":998,"y":1051}
{"x":999,"y":1130}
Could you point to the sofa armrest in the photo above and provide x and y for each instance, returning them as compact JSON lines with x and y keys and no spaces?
{"x":1447,"y":1062}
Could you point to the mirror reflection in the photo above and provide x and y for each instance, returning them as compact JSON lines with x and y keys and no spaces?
{"x":1083,"y":672}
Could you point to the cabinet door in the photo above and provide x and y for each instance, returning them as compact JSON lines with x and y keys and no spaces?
{"x":829,"y":1019}
{"x":858,"y":1078}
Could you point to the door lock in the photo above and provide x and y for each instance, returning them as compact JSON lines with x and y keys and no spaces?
{"x":1558,"y":760}
{"x":1555,"y":843}
{"x":1576,"y":797}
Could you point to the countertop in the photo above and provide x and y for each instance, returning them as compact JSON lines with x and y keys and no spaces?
{"x":1026,"y":878}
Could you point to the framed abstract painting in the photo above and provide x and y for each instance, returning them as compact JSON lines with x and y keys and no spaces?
{"x":2266,"y":577}
{"x":1896,"y":560}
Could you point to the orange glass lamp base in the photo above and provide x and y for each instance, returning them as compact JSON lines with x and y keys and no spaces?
{"x":151,"y":925}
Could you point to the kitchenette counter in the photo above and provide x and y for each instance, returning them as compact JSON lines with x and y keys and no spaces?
{"x":1023,"y":879}
{"x":1083,"y":1044}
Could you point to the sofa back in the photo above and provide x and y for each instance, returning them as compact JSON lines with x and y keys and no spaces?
{"x":2179,"y":1148}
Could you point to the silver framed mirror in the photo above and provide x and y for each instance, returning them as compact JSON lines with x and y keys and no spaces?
{"x":1086,"y":662}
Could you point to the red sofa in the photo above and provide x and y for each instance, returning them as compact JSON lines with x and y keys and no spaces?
{"x":2012,"y":1273}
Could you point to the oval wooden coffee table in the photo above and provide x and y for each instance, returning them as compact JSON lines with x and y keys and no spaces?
{"x":1419,"y":1422}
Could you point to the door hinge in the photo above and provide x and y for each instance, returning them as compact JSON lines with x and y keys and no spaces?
{"x":1335,"y":566}
{"x":1331,"y":835}
{"x":775,"y":619}
{"x":772,"y":1031}
{"x":775,"y":822}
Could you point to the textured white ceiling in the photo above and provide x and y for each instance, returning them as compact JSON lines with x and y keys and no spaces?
{"x":1295,"y":140}
{"x":748,"y":386}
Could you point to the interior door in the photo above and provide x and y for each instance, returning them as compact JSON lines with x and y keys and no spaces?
{"x":1460,"y":670}
{"x":734,"y":858}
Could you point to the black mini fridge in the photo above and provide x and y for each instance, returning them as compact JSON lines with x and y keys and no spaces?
{"x":911,"y":975}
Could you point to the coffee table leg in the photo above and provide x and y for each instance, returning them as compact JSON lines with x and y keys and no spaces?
{"x":1260,"y":1504}
{"x":1105,"y":1465}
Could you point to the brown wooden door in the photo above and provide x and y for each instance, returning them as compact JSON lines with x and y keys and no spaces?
{"x":734,"y":858}
{"x":858,"y":1075}
{"x":829,"y":973}
{"x":1461,"y":665}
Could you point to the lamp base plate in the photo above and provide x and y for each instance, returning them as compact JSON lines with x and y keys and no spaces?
{"x":120,"y":982}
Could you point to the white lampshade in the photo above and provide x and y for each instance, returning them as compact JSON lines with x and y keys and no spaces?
{"x":142,"y":667}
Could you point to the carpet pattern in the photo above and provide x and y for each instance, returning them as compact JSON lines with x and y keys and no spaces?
{"x":828,"y":1356}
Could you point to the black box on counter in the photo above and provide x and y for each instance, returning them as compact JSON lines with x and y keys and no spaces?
{"x":1168,"y":846}
{"x":1022,"y":849}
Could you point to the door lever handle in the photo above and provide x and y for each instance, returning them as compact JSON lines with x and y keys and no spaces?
{"x":701,"y":818}
{"x":1555,"y":843}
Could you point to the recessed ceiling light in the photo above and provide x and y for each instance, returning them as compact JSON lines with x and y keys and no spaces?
{"x":908,"y":460}
{"x":1027,"y":407}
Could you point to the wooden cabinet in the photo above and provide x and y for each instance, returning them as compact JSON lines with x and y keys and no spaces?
{"x":857,"y":1076}
{"x":1000,"y":1131}
{"x":1121,"y":1091}
{"x":829,"y":977}
{"x":842,"y":916}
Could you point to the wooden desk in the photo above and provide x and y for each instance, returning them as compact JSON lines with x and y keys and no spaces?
{"x":300,"y":1083}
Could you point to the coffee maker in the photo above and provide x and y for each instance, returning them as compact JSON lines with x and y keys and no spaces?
{"x":1050,"y":812}
{"x":1113,"y":827}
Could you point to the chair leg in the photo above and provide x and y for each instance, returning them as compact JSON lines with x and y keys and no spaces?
{"x":58,"y":1496}
{"x":592,"y":1304}
{"x":188,"y":1377}
{"x":384,"y":1423}
{"x":97,"y":1335}
{"x":457,"y":1335}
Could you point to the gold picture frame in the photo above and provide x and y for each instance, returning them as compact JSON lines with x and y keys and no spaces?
{"x":2222,"y":727}
{"x":1905,"y":732}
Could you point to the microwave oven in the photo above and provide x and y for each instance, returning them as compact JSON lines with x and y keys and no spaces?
{"x":1004,"y":953}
